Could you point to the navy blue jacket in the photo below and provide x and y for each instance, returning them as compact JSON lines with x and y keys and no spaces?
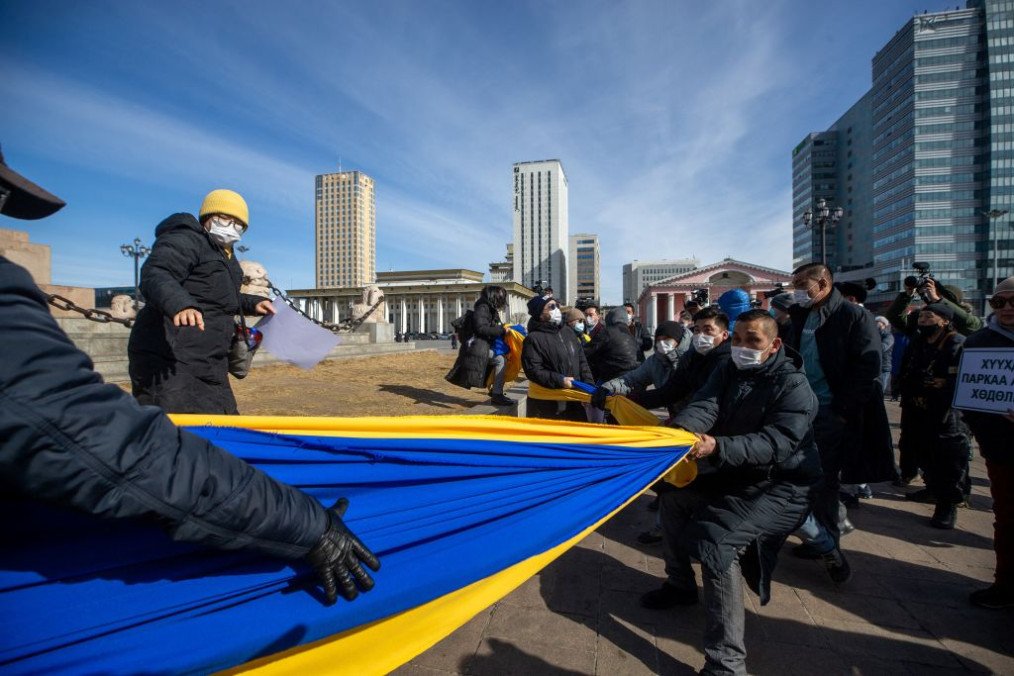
{"x":68,"y":438}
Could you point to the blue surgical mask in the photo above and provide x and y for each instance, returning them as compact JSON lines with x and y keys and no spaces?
{"x":579,"y":328}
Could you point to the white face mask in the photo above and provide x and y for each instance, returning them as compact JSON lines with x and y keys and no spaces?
{"x":703,"y":343}
{"x":801,"y":297}
{"x":224,"y":233}
{"x":579,"y":327}
{"x":630,"y":319}
{"x":592,"y":321}
{"x":555,"y":316}
{"x":745,"y":358}
{"x":664,"y":346}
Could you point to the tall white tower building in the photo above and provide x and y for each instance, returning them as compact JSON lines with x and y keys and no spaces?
{"x":346,"y":229}
{"x":540,"y":225}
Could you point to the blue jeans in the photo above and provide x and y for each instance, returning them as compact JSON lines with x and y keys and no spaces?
{"x":816,"y":535}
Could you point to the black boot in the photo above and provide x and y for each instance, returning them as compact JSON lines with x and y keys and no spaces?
{"x":944,"y":516}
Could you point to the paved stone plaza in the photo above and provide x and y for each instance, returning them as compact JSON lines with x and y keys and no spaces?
{"x":904,"y":612}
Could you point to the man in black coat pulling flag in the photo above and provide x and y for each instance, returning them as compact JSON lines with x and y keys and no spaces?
{"x":758,"y":467}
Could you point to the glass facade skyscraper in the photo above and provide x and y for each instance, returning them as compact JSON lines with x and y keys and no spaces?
{"x":939,"y":156}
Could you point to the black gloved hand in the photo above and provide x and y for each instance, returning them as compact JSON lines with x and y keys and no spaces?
{"x":598,"y":398}
{"x":338,"y":556}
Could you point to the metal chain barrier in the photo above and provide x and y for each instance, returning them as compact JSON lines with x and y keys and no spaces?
{"x":103,"y":317}
{"x":348,"y":325}
{"x":100,"y":316}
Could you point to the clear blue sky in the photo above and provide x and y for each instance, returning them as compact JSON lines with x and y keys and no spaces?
{"x":674,"y":120}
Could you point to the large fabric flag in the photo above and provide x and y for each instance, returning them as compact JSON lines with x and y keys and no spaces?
{"x":460,"y":510}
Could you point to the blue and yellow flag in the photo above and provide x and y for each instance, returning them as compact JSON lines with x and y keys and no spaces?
{"x":460,"y":509}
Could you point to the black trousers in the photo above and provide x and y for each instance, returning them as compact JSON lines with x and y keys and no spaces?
{"x":940,"y":446}
{"x":829,"y":433}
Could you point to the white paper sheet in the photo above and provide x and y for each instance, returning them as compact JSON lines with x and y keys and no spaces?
{"x":294,"y":338}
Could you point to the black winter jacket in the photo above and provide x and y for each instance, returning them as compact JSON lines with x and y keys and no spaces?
{"x":549,"y":355}
{"x":848,"y":342}
{"x":765,"y":465}
{"x":992,"y":431}
{"x":68,"y":438}
{"x":183,"y":369}
{"x":689,"y":376}
{"x":613,"y":351}
{"x":469,"y":368}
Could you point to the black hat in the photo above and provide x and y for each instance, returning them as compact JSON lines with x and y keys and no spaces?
{"x":854,"y":289}
{"x":670,"y":329}
{"x":536,"y":304}
{"x":941,"y":310}
{"x":23,"y":199}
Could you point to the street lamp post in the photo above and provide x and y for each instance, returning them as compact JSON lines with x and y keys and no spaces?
{"x":137,"y":251}
{"x":824,"y":215}
{"x":992,"y":215}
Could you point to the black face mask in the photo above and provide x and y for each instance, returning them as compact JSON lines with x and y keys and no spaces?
{"x":928,"y":331}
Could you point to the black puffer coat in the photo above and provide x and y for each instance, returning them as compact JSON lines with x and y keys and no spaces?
{"x":70,"y":439}
{"x":760,"y":478}
{"x":689,"y":376}
{"x":183,"y":369}
{"x":613,"y":351}
{"x":548,"y":356}
{"x":469,"y":368}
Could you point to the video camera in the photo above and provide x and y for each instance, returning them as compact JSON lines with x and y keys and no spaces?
{"x":919,"y":281}
{"x":700,"y":296}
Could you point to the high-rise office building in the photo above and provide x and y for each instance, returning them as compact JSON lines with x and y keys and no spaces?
{"x":835,"y":165}
{"x":637,"y":275}
{"x":540,"y":225}
{"x":346,"y":230}
{"x":583,"y":269}
{"x":940,"y":156}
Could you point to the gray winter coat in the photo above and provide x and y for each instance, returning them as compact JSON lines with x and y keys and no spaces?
{"x":655,"y":370}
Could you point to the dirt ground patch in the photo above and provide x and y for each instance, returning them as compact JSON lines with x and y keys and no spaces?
{"x":397,"y":384}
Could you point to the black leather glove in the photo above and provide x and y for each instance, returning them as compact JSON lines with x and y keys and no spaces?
{"x":338,"y":557}
{"x":598,"y":399}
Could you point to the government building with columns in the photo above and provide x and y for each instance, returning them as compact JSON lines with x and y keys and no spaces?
{"x":665,"y":299}
{"x":421,"y":301}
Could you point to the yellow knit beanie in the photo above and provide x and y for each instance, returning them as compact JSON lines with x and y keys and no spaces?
{"x":225,"y":202}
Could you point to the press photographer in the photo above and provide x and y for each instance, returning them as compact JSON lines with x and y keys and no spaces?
{"x":930,"y":292}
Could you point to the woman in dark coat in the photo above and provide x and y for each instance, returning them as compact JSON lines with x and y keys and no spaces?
{"x":554,"y":359}
{"x":179,"y":346}
{"x":476,"y":353}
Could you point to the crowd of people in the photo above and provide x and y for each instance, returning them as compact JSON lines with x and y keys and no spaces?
{"x":788,"y":405}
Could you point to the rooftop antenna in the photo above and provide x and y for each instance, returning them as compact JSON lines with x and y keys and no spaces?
{"x":339,"y":164}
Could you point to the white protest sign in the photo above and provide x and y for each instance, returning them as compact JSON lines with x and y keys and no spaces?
{"x":985,"y":380}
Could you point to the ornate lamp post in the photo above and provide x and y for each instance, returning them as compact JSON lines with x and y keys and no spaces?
{"x":137,"y":251}
{"x":824,"y":215}
{"x":992,"y":215}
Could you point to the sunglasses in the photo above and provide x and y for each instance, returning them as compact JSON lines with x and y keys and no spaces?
{"x":997,"y":302}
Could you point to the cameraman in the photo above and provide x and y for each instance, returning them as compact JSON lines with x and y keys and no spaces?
{"x":927,"y":288}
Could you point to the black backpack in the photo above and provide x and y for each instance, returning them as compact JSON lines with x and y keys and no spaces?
{"x":463,"y":326}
